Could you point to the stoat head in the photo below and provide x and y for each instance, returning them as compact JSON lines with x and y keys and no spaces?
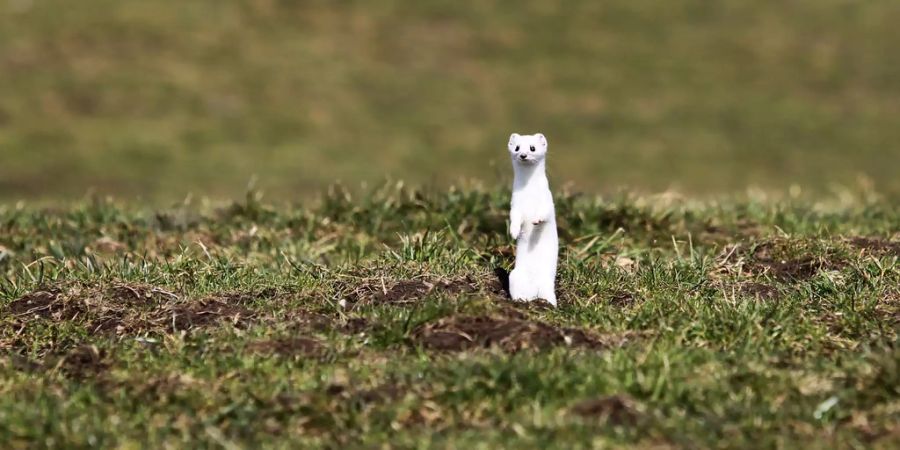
{"x":527,"y":149}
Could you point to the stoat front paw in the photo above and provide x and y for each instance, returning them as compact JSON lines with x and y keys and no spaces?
{"x":515,"y":229}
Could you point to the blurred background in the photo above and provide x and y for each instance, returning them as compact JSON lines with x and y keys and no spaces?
{"x":157,"y":99}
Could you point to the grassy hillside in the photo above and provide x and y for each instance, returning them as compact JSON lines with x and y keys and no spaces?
{"x":357,"y":320}
{"x":153,"y":99}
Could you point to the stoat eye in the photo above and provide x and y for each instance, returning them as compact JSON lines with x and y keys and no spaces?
{"x":517,"y":148}
{"x":532,"y":148}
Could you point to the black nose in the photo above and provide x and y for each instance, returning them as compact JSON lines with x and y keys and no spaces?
{"x":523,"y":156}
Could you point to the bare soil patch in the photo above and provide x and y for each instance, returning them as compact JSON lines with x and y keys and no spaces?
{"x":356,"y":325}
{"x":157,"y":387}
{"x":129,"y":309}
{"x":174,"y":316}
{"x":21,"y":363}
{"x":515,"y":308}
{"x":621,"y":299}
{"x":409,"y":291}
{"x":45,"y":304}
{"x":614,"y":409}
{"x":889,"y":308}
{"x":378,"y":394}
{"x":206,"y":312}
{"x":740,"y":231}
{"x":297,"y":346}
{"x":460,"y":333}
{"x":876,"y":246}
{"x":767,"y":260}
{"x":80,"y":362}
{"x":84,"y":362}
{"x":759,"y":290}
{"x":303,"y":321}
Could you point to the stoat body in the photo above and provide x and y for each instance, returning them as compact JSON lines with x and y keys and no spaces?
{"x":532,"y":221}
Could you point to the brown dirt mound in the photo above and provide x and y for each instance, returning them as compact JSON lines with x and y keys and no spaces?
{"x":298,"y":346}
{"x":80,"y":362}
{"x":138,"y":295}
{"x":45,"y":304}
{"x":356,"y":325}
{"x":379,"y":394}
{"x":84,"y":362}
{"x":795,"y":269}
{"x":876,"y":246}
{"x":205,"y":312}
{"x":460,"y":333}
{"x":120,"y":308}
{"x":516,"y":309}
{"x":157,"y":387}
{"x":175,"y":316}
{"x":126,"y":309}
{"x":409,"y":291}
{"x":621,"y":299}
{"x":614,"y":409}
{"x":21,"y":363}
{"x":303,"y":321}
{"x":759,"y":290}
{"x":740,"y":231}
{"x":889,"y":308}
{"x":765,"y":260}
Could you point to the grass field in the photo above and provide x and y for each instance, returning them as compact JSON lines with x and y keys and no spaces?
{"x":755,"y":303}
{"x":150,"y":99}
{"x":355,"y":321}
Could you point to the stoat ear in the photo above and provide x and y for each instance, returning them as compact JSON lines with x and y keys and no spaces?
{"x":513,"y":139}
{"x":541,"y":139}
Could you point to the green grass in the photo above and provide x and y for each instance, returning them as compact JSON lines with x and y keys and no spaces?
{"x":352,"y":321}
{"x":143,"y":98}
{"x":724,"y":317}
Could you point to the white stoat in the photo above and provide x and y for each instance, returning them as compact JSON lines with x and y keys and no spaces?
{"x":532,"y":221}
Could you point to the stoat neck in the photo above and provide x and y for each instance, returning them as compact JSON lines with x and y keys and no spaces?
{"x":531,"y":175}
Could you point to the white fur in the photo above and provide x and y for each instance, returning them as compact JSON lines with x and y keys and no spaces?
{"x":532,"y":221}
